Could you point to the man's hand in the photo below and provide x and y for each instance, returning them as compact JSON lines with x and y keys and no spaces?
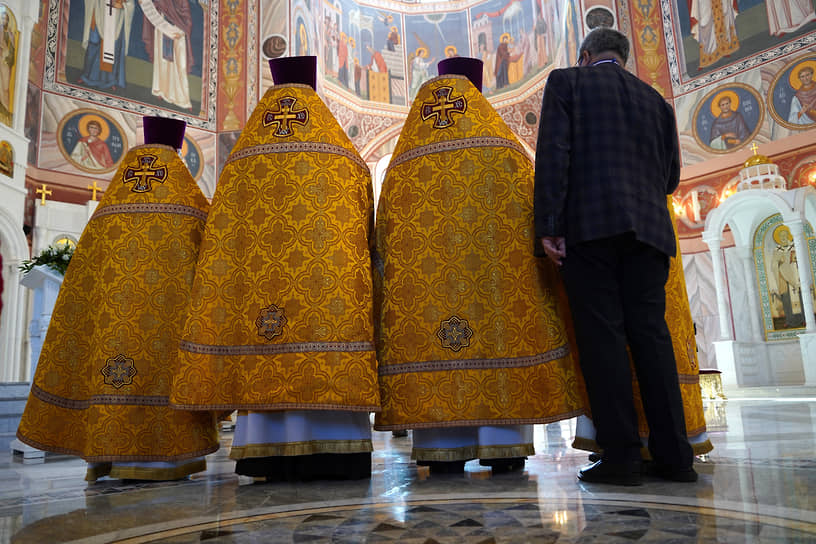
{"x":554,"y":247}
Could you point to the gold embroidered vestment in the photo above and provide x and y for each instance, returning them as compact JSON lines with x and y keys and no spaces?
{"x":102,"y":385}
{"x":471,"y":327}
{"x":281,"y":315}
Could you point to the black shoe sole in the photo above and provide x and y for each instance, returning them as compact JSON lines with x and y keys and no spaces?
{"x":632,"y":481}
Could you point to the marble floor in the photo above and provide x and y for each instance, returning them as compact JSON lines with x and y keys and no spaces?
{"x":758,"y":485}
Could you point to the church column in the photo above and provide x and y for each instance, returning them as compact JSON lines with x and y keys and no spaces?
{"x":720,"y":286}
{"x":805,"y":278}
{"x":746,"y":255}
{"x":21,"y":77}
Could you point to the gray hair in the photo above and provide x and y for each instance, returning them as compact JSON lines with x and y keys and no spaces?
{"x":604,"y":39}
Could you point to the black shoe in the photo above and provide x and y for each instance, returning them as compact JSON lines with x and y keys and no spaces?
{"x":604,"y":472}
{"x":594,"y":457}
{"x":670,"y":473}
{"x":444,"y":467}
{"x":507,"y":464}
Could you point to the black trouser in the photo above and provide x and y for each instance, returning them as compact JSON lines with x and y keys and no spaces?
{"x":616,"y":290}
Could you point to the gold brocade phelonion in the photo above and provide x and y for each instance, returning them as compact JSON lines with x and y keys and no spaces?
{"x":281,"y":306}
{"x":472,"y":329}
{"x":102,"y":385}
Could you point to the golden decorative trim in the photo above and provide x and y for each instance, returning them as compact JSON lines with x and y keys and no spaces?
{"x":452,"y":145}
{"x":296,"y":147}
{"x":465,"y":453}
{"x":155,"y":207}
{"x":506,"y":451}
{"x":701,"y":448}
{"x":310,"y":447}
{"x":268,"y":349}
{"x":275,"y":406}
{"x":475,"y":364}
{"x":120,"y":458}
{"x":145,"y":473}
{"x":479,"y":422}
{"x":159,"y":458}
{"x":73,"y":404}
{"x":580,"y":443}
{"x":688,"y":378}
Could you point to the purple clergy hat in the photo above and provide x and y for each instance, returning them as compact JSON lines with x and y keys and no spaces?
{"x":162,"y":130}
{"x":463,"y":66}
{"x":294,"y":70}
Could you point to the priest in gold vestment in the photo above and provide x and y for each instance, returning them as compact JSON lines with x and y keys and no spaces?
{"x":473,"y":345}
{"x":280,"y":326}
{"x":102,"y":384}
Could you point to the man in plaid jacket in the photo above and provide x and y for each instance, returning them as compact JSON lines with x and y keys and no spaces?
{"x":607,"y":156}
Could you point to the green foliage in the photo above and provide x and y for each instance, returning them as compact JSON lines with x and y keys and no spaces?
{"x":55,"y":258}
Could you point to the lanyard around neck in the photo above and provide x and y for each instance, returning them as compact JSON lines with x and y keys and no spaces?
{"x":604,"y":61}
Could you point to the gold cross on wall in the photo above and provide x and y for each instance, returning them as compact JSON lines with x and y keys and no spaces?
{"x":444,"y":106}
{"x":94,"y":188}
{"x":754,"y":148}
{"x":44,"y":192}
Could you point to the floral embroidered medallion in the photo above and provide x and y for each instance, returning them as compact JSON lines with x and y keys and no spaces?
{"x":443,"y":108}
{"x":454,"y":333}
{"x":144,"y":173}
{"x":119,"y":371}
{"x":286,"y":115}
{"x":270,"y":322}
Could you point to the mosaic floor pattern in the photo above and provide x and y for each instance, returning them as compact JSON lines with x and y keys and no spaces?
{"x":757,"y":486}
{"x":493,"y":521}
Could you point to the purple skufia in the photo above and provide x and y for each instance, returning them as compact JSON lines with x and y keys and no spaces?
{"x":463,"y":66}
{"x":162,"y":130}
{"x":294,"y":70}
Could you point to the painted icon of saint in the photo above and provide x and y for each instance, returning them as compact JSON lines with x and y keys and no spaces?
{"x":729,"y":128}
{"x":803,"y":103}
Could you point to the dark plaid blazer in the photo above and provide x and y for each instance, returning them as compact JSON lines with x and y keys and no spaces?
{"x":606,"y":157}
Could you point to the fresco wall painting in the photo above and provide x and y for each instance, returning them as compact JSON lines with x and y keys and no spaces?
{"x":792,"y":94}
{"x":160,"y":59}
{"x":713,"y":34}
{"x":9,"y":39}
{"x":728,"y":118}
{"x":384,"y":56}
{"x":431,"y":38}
{"x":767,"y":46}
{"x":777,"y":270}
{"x":232,"y":52}
{"x":364,"y":51}
{"x":91,"y":141}
{"x":515,"y":40}
{"x":157,"y":57}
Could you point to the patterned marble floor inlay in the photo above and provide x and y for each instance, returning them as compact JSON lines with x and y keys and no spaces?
{"x":493,"y":521}
{"x":758,"y":485}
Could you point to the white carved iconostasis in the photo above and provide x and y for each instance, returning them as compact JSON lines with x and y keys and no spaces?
{"x":732,"y":89}
{"x":764,"y":283}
